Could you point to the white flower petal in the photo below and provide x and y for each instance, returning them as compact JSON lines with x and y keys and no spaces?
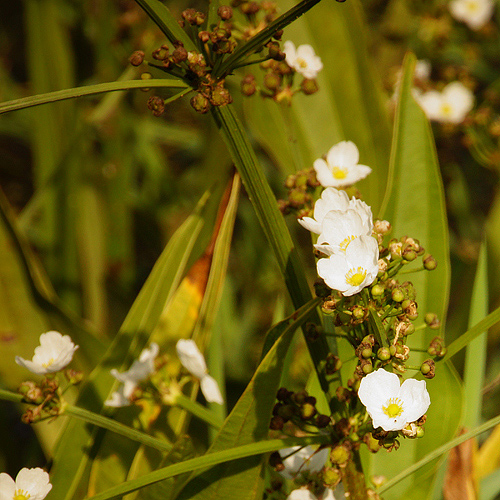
{"x":117,"y":399}
{"x":415,"y":397}
{"x":53,"y":354}
{"x":299,"y":460}
{"x":343,"y":154}
{"x":210,"y":390}
{"x":34,"y":483}
{"x":475,"y":13}
{"x":310,"y":224}
{"x":191,"y":358}
{"x":301,"y":494}
{"x":7,"y":487}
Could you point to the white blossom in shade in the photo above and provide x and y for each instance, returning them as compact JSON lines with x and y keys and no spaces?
{"x":340,"y":229}
{"x":140,"y":370}
{"x":353,"y":270}
{"x":53,"y":354}
{"x":302,"y":59}
{"x":194,"y":362}
{"x":30,"y":484}
{"x":305,"y":494}
{"x":422,"y":70}
{"x":449,"y":106}
{"x":474,"y":13}
{"x":334,"y":199}
{"x":390,"y":405}
{"x":341,"y":166}
{"x":302,"y":459}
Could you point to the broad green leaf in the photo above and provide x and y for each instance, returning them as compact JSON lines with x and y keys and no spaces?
{"x":475,"y":357}
{"x":247,"y":423}
{"x":72,"y":456}
{"x":349,"y":105}
{"x":414,"y":204}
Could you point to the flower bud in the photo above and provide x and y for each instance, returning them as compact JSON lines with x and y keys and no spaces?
{"x":410,"y":309}
{"x":384,"y":354}
{"x":428,"y":368}
{"x":180,"y":54}
{"x":286,"y":412}
{"x":200,"y":103}
{"x":429,"y":262}
{"x":332,"y":477}
{"x":161,"y":54}
{"x":156,"y":105}
{"x":277,"y":423}
{"x":420,"y":432}
{"x":397,"y":295}
{"x":409,"y":254}
{"x":340,"y":455}
{"x":382,"y":226}
{"x":307,"y":411}
{"x":272,"y":80}
{"x":221,"y":96}
{"x":322,"y":421}
{"x":299,"y":397}
{"x":250,"y":8}
{"x":437,"y":347}
{"x":377,"y":290}
{"x":283,"y":394}
{"x":432,"y":321}
{"x":74,"y":377}
{"x":225,"y":12}
{"x":321,"y":289}
{"x":372,"y":443}
{"x":137,"y":58}
{"x":275,"y":461}
{"x":333,"y":364}
{"x":309,"y":86}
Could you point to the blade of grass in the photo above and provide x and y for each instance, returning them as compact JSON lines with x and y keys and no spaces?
{"x":100,"y":88}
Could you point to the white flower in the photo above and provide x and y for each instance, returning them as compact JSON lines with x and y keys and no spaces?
{"x":422,"y":70}
{"x":302,"y":459}
{"x":393,"y":406}
{"x":32,"y":484}
{"x":194,"y":362}
{"x":341,"y":166}
{"x":53,"y":354}
{"x":474,"y":13}
{"x":351,"y":271}
{"x":340,"y":229}
{"x":140,"y":370}
{"x":302,"y":59}
{"x":449,"y":106}
{"x":334,"y":199}
{"x":305,"y":494}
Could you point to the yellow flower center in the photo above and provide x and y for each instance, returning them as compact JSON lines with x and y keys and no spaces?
{"x":345,"y":243}
{"x":472,"y":7}
{"x":394,"y":408}
{"x":355,"y":277}
{"x":21,"y":495}
{"x":48,"y":363}
{"x":302,"y":62}
{"x":446,"y":109}
{"x":339,"y":173}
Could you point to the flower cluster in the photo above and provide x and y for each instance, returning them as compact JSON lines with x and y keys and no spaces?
{"x":344,"y":225}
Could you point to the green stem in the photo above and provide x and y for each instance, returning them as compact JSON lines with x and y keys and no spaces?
{"x":353,"y":478}
{"x":197,"y":410}
{"x":99,"y":420}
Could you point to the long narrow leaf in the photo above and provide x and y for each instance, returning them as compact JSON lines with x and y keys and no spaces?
{"x":99,"y":88}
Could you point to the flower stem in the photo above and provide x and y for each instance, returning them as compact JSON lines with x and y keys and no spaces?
{"x":197,"y":410}
{"x":353,"y":478}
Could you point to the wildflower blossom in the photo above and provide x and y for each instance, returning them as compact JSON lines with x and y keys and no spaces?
{"x":474,"y":13}
{"x":32,"y":484}
{"x":334,"y":199}
{"x":53,"y":354}
{"x":341,"y":166}
{"x":340,"y":229}
{"x":305,"y":494}
{"x":351,"y":271}
{"x":390,"y":405}
{"x":192,"y":359}
{"x":140,"y":370}
{"x":302,"y":59}
{"x":449,"y":106}
{"x":302,"y":459}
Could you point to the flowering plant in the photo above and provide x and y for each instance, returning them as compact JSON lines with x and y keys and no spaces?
{"x":258,"y":348}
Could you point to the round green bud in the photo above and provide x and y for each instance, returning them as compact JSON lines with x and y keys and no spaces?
{"x":339,"y":455}
{"x":384,"y":354}
{"x":367,"y":352}
{"x":377,"y":290}
{"x":397,"y":295}
{"x":307,"y":411}
{"x":392,"y":350}
{"x":429,"y":262}
{"x":420,"y":432}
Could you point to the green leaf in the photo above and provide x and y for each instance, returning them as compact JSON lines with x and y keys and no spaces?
{"x":414,"y":204}
{"x":161,"y":16}
{"x":208,"y":460}
{"x":99,"y":88}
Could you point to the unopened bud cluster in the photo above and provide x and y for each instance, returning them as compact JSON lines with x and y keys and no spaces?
{"x":302,"y":187}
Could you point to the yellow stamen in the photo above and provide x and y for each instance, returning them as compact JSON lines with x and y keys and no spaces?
{"x":345,"y":243}
{"x":339,"y":173}
{"x":446,"y":109}
{"x":472,"y":6}
{"x":48,"y":363}
{"x":355,"y":277}
{"x":21,"y":495}
{"x":301,"y":62}
{"x":394,"y":408}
